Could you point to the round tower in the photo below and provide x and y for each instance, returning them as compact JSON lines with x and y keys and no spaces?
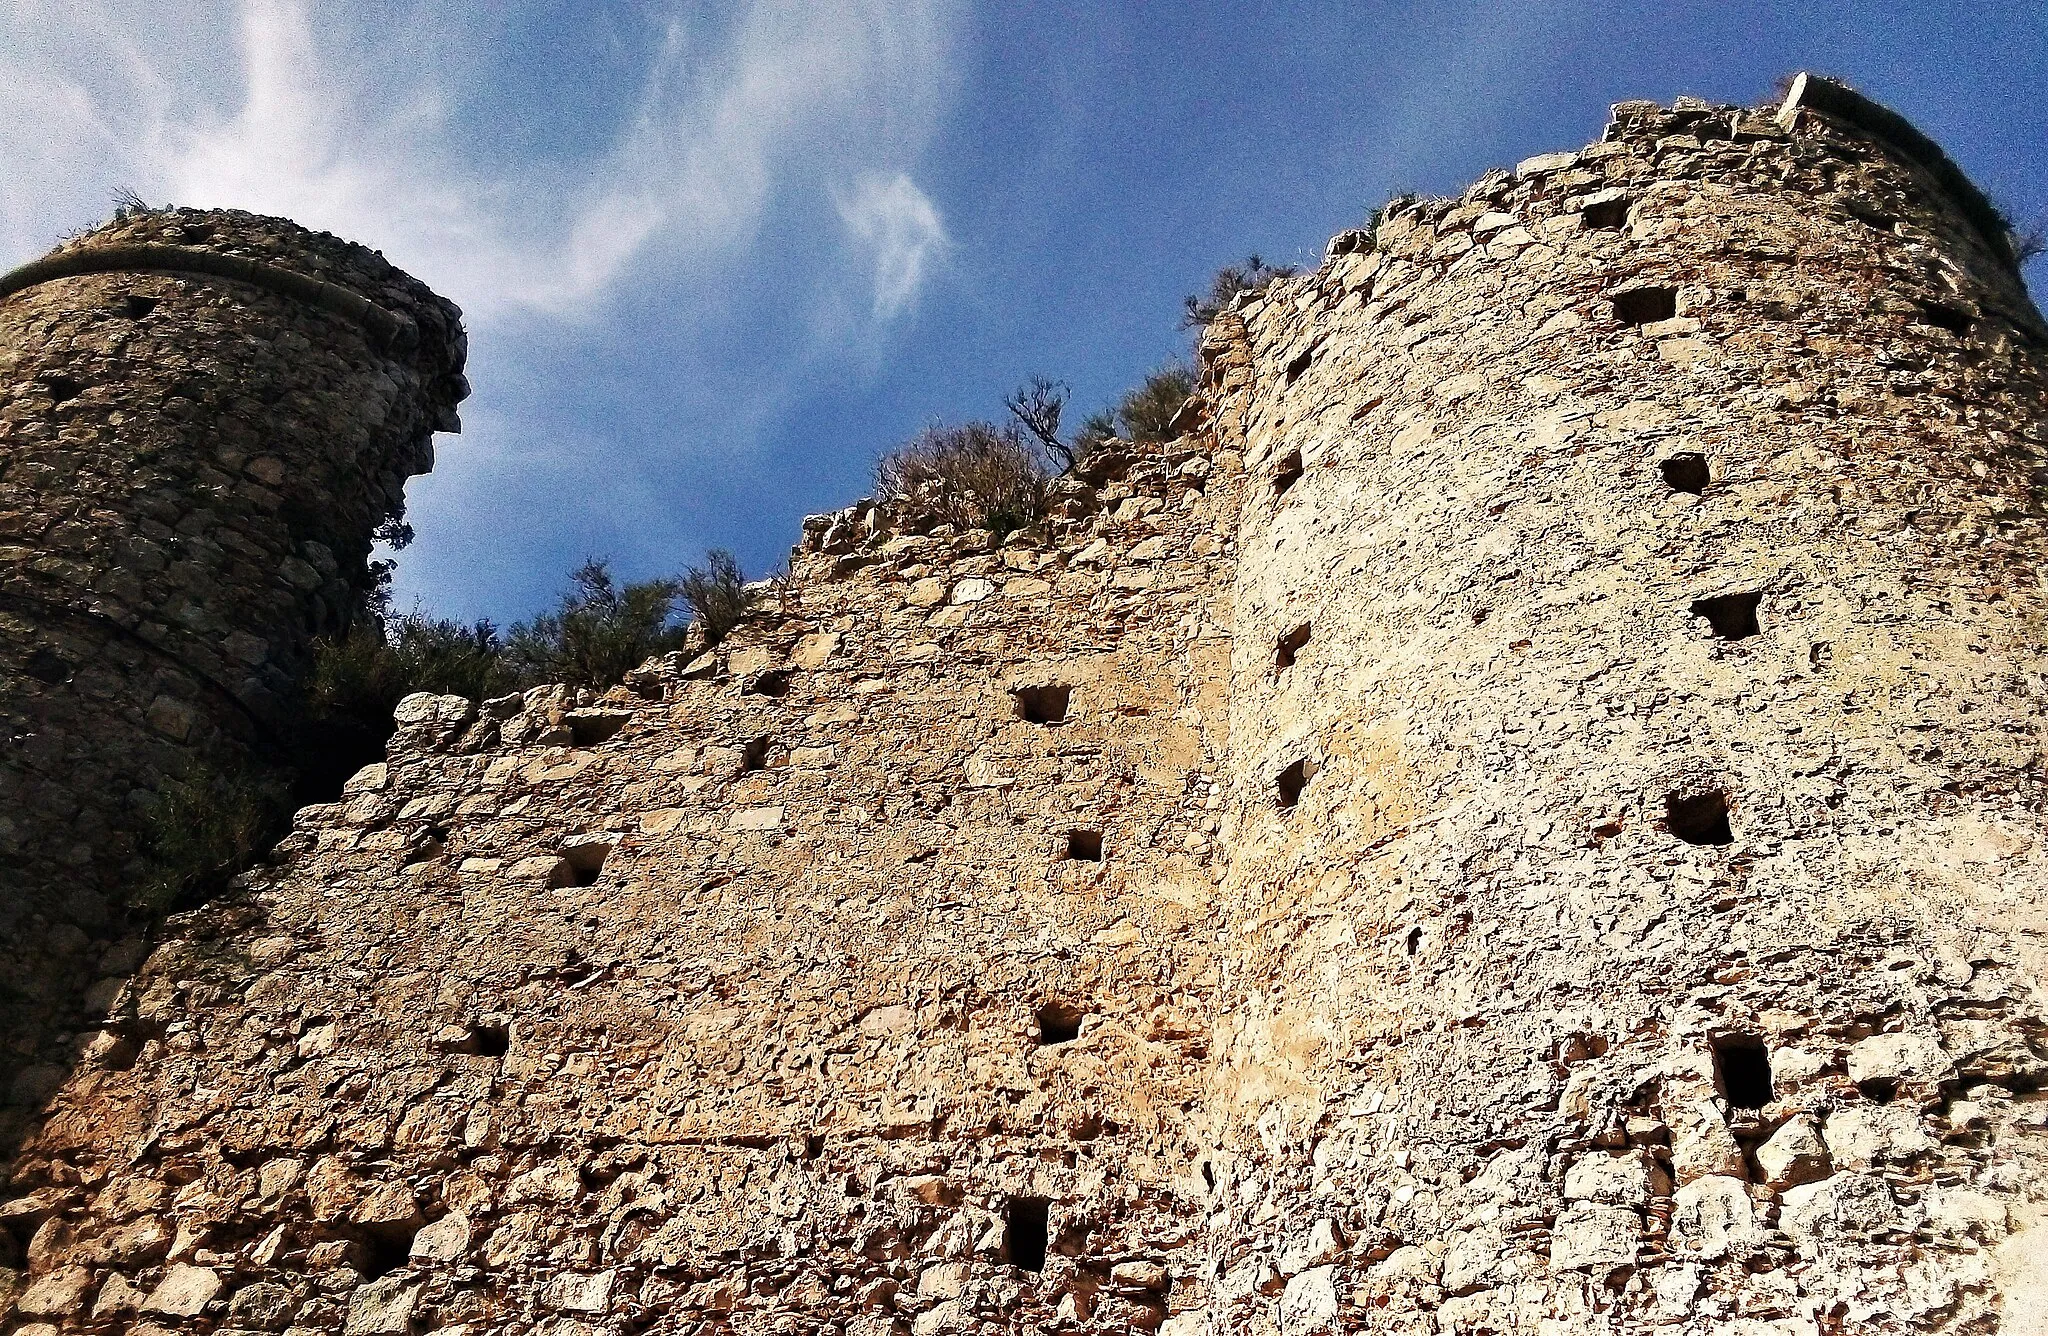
{"x":1637,"y":729}
{"x":204,"y":417}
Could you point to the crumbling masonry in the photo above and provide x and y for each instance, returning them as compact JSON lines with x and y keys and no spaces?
{"x":1528,"y":818}
{"x":203,"y":417}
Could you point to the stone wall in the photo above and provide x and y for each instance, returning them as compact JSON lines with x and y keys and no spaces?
{"x":1526,"y":820}
{"x":858,"y":969}
{"x":203,"y":417}
{"x":1656,"y":940}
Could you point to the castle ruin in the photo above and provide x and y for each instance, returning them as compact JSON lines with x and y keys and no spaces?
{"x":1527,"y":818}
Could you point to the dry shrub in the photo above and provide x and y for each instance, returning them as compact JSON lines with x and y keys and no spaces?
{"x":716,"y":594}
{"x":974,"y":476}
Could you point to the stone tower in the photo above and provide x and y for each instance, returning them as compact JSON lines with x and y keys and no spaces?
{"x":1637,"y":714}
{"x":1527,"y":819}
{"x":203,"y":418}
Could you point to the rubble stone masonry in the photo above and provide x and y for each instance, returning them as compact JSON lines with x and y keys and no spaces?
{"x":203,"y":416}
{"x":1526,"y":819}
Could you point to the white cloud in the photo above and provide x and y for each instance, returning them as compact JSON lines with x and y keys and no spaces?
{"x":899,"y":227}
{"x":344,"y":122}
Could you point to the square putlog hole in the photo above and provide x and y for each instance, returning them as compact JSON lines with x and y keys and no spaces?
{"x":1043,"y":705}
{"x":1059,"y":1023}
{"x":1084,"y":846}
{"x":1742,"y":1070}
{"x":581,"y":864}
{"x":1699,"y":818}
{"x":1644,"y":305}
{"x":1686,"y":472}
{"x":1286,"y":473}
{"x":1024,"y":1232}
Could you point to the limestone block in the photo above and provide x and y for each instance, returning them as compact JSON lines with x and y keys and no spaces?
{"x":1869,"y":1134}
{"x":185,"y":1291}
{"x":60,"y":1293}
{"x":1625,"y":1178}
{"x":1309,"y":1303}
{"x":445,"y":1240}
{"x":1702,"y":1145}
{"x":1590,"y":1234}
{"x":1851,"y":1205}
{"x":1713,"y":1217}
{"x":1794,"y":1154}
{"x":383,"y":1307}
{"x":1914,"y":1060}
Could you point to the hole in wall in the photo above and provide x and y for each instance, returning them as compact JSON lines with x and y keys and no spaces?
{"x":1059,"y":1023}
{"x":1286,"y":472}
{"x":1289,"y":783}
{"x":1299,"y":364}
{"x":1742,"y":1070}
{"x":1413,"y":943}
{"x":427,"y":843}
{"x":580,"y":866}
{"x":1879,"y":1089}
{"x":814,"y":1145}
{"x":587,"y":728}
{"x":754,"y":754}
{"x":773,"y":683}
{"x":1686,"y":472}
{"x":135,"y":306}
{"x":1043,"y":705}
{"x":1024,"y":1231}
{"x":1084,"y":846}
{"x":1732,"y":616}
{"x":62,"y":388}
{"x":1953,"y":319}
{"x":490,"y":1041}
{"x":380,"y":1252}
{"x":1645,"y":305}
{"x":49,"y":667}
{"x":1699,"y":818}
{"x":1605,"y":213}
{"x":1290,"y":646}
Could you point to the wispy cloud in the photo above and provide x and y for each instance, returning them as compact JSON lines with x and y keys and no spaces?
{"x":346,"y":125}
{"x":900,"y":229}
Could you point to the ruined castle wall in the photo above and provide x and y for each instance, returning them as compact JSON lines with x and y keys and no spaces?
{"x":1696,"y":470}
{"x":191,"y":466}
{"x":1543,"y":836}
{"x":774,"y":992}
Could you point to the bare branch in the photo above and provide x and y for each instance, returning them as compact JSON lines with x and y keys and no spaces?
{"x":1038,"y":404}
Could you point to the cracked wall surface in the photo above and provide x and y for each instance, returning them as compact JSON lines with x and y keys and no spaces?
{"x":1526,"y":819}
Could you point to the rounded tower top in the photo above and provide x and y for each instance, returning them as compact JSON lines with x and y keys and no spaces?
{"x":400,"y":314}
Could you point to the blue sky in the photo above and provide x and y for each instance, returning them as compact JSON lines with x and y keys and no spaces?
{"x":716,"y":257}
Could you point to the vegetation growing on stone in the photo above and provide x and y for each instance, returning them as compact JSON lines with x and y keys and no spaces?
{"x":1254,"y":275}
{"x":600,"y":631}
{"x":204,"y":826}
{"x":973,"y":475}
{"x":716,"y":594}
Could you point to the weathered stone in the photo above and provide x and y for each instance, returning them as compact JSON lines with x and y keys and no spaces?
{"x":1713,"y":1217}
{"x":1559,"y":692}
{"x":185,"y":1291}
{"x":445,"y":1240}
{"x":59,"y":1294}
{"x":1794,"y":1154}
{"x":1592,"y":1235}
{"x":1309,"y":1303}
{"x":382,"y":1308}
